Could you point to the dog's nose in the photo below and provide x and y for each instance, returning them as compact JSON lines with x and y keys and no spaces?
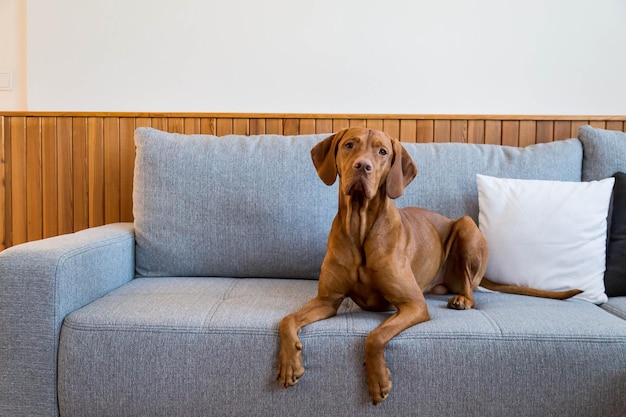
{"x":363,"y":165}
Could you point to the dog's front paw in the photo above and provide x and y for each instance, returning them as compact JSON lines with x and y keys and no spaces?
{"x":290,"y":368}
{"x":378,"y":380}
{"x":460,"y":302}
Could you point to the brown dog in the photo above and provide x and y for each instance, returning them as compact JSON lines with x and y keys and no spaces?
{"x":382,"y":257}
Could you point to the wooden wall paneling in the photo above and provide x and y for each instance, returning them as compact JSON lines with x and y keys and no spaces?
{"x":339,"y":124}
{"x":95,"y":145}
{"x":408,"y":131}
{"x":510,"y":133}
{"x":324,"y":126}
{"x":191,"y":125}
{"x":392,"y":128}
{"x":257,"y":126}
{"x":49,"y":176}
{"x":376,"y":124}
{"x":562,"y":129}
{"x":4,"y":183}
{"x":615,"y":125}
{"x":307,"y":126}
{"x":127,"y":165}
{"x":62,"y":172}
{"x":160,"y":123}
{"x":65,"y":177}
{"x":527,"y":133}
{"x":34,"y":202}
{"x":476,"y":131}
{"x":112,"y":169}
{"x":175,"y":125}
{"x":80,"y":161}
{"x":493,"y":132}
{"x":545,"y":131}
{"x":18,"y":175}
{"x":425,"y":131}
{"x":291,"y":127}
{"x":224,"y":126}
{"x":458,"y":131}
{"x":274,"y":126}
{"x":207,"y":125}
{"x":358,"y":123}
{"x":575,"y":125}
{"x":442,"y":131}
{"x":240,"y":126}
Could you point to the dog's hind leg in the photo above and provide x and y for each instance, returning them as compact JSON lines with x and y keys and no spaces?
{"x":466,"y":264}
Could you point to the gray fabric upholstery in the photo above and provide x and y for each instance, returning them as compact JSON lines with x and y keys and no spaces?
{"x":446,"y":179}
{"x":198,"y":347}
{"x":238,"y":206}
{"x":617,"y":306}
{"x":604,"y":152}
{"x":40,"y":282}
{"x":229,"y":206}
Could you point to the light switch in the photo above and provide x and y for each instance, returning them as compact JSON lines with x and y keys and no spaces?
{"x":6,"y":80}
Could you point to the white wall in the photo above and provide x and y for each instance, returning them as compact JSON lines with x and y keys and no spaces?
{"x":329,"y":56}
{"x":13,"y":53}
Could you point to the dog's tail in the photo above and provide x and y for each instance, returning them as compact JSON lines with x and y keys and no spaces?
{"x":533,"y":292}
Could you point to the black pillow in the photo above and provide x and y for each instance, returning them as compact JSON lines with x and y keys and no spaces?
{"x":615,"y":275}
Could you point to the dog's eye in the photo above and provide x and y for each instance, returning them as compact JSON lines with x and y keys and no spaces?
{"x":349,"y":145}
{"x":382,"y":152}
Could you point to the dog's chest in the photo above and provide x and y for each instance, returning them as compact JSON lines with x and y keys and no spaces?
{"x":365,"y":293}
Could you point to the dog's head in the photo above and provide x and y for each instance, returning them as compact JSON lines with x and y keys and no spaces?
{"x":365,"y":161}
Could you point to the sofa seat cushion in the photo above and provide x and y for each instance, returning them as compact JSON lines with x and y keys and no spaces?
{"x":170,"y":346}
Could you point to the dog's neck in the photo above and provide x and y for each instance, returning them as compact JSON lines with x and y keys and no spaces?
{"x":358,"y":214}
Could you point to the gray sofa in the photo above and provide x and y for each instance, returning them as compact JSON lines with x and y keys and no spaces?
{"x":176,"y":314}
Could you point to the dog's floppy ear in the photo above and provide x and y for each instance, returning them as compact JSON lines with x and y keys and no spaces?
{"x":402,"y":171}
{"x":323,"y":155}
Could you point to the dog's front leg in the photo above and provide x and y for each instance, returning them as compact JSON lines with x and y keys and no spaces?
{"x":290,"y":367}
{"x":378,"y":375}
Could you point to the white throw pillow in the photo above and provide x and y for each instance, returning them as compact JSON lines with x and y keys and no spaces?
{"x":548,"y":235}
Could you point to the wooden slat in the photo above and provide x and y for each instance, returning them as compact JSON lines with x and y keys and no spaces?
{"x":324,"y":126}
{"x":274,"y":126}
{"x":493,"y":132}
{"x":527,"y":132}
{"x":545,"y":131}
{"x":4,"y":132}
{"x":112,"y":169}
{"x":19,"y":191}
{"x":240,"y":126}
{"x":376,"y":124}
{"x":425,"y":131}
{"x":408,"y":131}
{"x":510,"y":133}
{"x":392,"y":127}
{"x":476,"y":131}
{"x":458,"y":131}
{"x":562,"y":129}
{"x":127,"y":166}
{"x":81,"y":173}
{"x":307,"y":126}
{"x":65,"y":179}
{"x":95,"y":141}
{"x":34,"y":201}
{"x":442,"y":132}
{"x":257,"y":126}
{"x":49,"y":176}
{"x":291,"y":127}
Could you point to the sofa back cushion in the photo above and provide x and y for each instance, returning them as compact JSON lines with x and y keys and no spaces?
{"x":239,"y":206}
{"x":232,"y":206}
{"x":446,"y":178}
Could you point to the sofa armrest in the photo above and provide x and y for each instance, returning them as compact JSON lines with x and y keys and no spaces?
{"x":40,"y":283}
